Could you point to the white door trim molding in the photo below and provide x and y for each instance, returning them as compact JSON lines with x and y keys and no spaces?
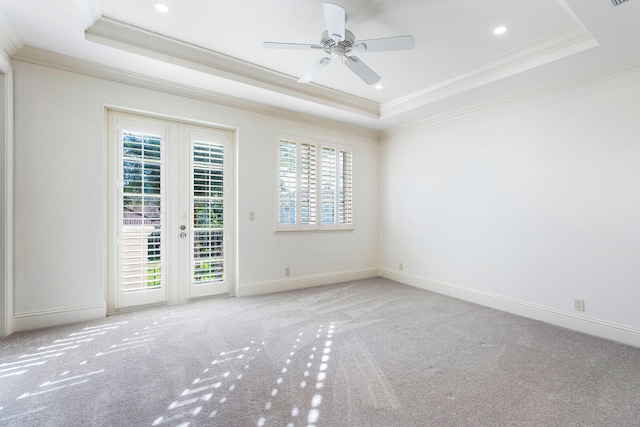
{"x":176,"y":133}
{"x":6,"y":187}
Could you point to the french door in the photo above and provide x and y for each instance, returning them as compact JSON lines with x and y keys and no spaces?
{"x":170,"y":211}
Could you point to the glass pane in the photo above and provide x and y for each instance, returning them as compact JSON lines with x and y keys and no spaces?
{"x":208,"y":183}
{"x":140,"y":249}
{"x":287,"y":196}
{"x":307,"y":183}
{"x":328,"y":185}
{"x":345,"y":188}
{"x":208,"y":212}
{"x":151,"y":178}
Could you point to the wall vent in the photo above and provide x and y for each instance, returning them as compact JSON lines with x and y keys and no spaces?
{"x":618,"y":2}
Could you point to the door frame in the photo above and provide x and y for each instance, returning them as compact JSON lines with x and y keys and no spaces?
{"x":7,"y":195}
{"x":176,"y":294}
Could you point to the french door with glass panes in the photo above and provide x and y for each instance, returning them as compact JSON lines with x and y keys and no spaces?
{"x":170,"y":211}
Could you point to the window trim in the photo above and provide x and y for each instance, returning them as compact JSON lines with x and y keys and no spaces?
{"x":319,"y":145}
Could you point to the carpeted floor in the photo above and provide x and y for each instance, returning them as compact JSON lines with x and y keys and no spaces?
{"x":366,"y":353}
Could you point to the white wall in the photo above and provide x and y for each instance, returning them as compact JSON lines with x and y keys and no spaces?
{"x":60,"y":196}
{"x":524,"y":208}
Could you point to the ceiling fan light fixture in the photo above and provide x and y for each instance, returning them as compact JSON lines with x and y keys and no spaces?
{"x":161,"y":7}
{"x":500,"y":30}
{"x":337,"y":52}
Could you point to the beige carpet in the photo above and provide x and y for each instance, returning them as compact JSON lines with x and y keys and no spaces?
{"x":367,"y":353}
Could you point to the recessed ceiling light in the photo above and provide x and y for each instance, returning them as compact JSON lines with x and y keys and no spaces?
{"x":379,"y":87}
{"x":500,"y":30}
{"x":160,"y":7}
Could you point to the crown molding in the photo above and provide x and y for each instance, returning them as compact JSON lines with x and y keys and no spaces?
{"x":604,"y":73}
{"x":66,"y":63}
{"x":114,"y":33}
{"x":10,"y":41}
{"x":563,"y":43}
{"x":123,"y":36}
{"x":53,"y":60}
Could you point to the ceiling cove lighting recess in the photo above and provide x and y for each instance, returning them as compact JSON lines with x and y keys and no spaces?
{"x":161,"y":7}
{"x":500,"y":30}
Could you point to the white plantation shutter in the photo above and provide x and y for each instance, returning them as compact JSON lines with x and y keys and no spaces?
{"x":308,"y":173}
{"x":141,"y":235}
{"x":288,"y":183}
{"x":315,"y":185}
{"x":208,"y":212}
{"x":345,"y":188}
{"x":328,"y":186}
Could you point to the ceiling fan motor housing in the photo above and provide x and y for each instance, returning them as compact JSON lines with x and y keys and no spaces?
{"x":337,"y":48}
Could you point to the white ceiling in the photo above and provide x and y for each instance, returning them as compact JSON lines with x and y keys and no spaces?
{"x":215,"y":46}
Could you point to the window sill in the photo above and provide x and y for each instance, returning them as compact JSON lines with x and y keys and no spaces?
{"x":313,"y":230}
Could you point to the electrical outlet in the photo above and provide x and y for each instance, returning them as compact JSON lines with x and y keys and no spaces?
{"x":578,"y":304}
{"x":400,"y":266}
{"x":287,"y":272}
{"x":252,"y":216}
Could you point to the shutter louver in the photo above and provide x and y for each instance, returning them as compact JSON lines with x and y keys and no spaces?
{"x":208,"y":212}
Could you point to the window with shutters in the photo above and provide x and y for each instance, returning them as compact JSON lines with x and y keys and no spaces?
{"x":315,"y":185}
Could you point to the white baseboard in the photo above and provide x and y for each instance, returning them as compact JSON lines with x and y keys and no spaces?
{"x":43,"y":319}
{"x":290,"y":284}
{"x":599,"y":328}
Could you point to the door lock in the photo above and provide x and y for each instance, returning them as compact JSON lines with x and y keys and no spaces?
{"x":183,"y":227}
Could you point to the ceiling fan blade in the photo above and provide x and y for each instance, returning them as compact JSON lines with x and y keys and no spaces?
{"x":360,"y":68}
{"x":335,"y":18}
{"x":302,"y":46}
{"x":385,"y":44}
{"x":315,"y":70}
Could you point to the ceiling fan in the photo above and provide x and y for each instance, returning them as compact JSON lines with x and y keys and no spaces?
{"x":337,"y":41}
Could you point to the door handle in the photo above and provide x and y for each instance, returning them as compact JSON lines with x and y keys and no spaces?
{"x":183,"y":234}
